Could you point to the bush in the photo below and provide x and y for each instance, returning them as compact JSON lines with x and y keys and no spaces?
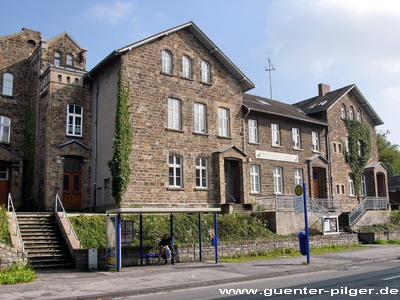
{"x":16,"y":274}
{"x":395,"y":217}
{"x":4,"y":230}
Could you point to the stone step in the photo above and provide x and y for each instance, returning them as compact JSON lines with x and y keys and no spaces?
{"x":34,"y":255}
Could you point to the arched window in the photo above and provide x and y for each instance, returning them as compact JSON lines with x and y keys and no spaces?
{"x":8,"y":82}
{"x":351,"y":112}
{"x":70,"y":60}
{"x":57,"y":58}
{"x":343,"y":111}
{"x":186,"y":67}
{"x":5,"y":124}
{"x":205,"y":72}
{"x":166,"y":58}
{"x":359,"y":115}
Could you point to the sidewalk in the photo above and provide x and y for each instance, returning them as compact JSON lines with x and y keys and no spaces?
{"x":71,"y":284}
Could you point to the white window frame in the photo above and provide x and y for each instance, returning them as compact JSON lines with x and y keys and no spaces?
{"x":186,"y":67}
{"x":343,"y":111}
{"x":201,"y":172}
{"x":205,"y":72}
{"x":174,"y":114}
{"x":4,"y":173}
{"x":255,"y":179}
{"x":363,"y":186}
{"x":352,"y":190}
{"x":73,"y":119}
{"x":176,"y":167}
{"x":278,"y":182}
{"x":5,"y":129}
{"x":315,"y":141}
{"x":359,"y":115}
{"x":275,"y":134}
{"x":351,"y":113}
{"x":224,"y":122}
{"x":57,"y":58}
{"x":166,"y":62}
{"x":296,"y":138}
{"x":200,"y":117}
{"x":8,"y":84}
{"x":70,"y":60}
{"x":253,"y":131}
{"x":298,"y":176}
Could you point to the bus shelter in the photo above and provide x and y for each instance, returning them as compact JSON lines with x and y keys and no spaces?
{"x":114,"y":235}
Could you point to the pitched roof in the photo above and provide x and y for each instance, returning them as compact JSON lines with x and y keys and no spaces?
{"x":213,"y":49}
{"x":273,"y":107}
{"x":323,"y":103}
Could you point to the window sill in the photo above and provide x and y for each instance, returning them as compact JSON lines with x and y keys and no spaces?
{"x":174,"y":130}
{"x":200,"y":133}
{"x":225,"y":137}
{"x":8,"y":96}
{"x":315,"y":151}
{"x":167,"y":74}
{"x":254,"y":143}
{"x":173,"y":188}
{"x":205,"y":189}
{"x":276,"y":146}
{"x":73,"y":136}
{"x":255,"y":193}
{"x":187,"y":78}
{"x":297,"y":149}
{"x":206,"y":83}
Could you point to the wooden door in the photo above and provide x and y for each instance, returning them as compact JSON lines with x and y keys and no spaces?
{"x":4,"y":184}
{"x":72,"y":182}
{"x":316,"y":184}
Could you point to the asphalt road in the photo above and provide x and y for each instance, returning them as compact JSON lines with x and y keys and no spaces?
{"x":375,"y":281}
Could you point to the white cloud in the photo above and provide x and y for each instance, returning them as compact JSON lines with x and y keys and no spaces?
{"x":116,"y":12}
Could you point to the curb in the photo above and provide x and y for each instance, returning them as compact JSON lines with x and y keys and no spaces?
{"x":149,"y":291}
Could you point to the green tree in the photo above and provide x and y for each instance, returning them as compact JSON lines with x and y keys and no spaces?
{"x":389,"y":154}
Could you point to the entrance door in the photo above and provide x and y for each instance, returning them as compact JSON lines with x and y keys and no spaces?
{"x":233,"y":181}
{"x":72,"y":181}
{"x":4,"y":184}
{"x":319,"y":183}
{"x":381,"y":184}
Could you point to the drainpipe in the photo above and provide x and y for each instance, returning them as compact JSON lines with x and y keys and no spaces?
{"x":244,"y":127}
{"x":328,"y":155}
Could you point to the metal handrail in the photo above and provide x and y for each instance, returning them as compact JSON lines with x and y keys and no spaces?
{"x":10,"y":204}
{"x":234,"y":200}
{"x":71,"y":229}
{"x":368,"y":203}
{"x":318,"y":209}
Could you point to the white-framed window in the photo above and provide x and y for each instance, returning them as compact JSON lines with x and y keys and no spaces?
{"x":352,"y":190}
{"x":8,"y":83}
{"x":5,"y":128}
{"x":296,"y":138}
{"x":70,"y":60}
{"x":276,"y":135}
{"x":200,"y":118}
{"x":278,"y":184}
{"x":57,"y":58}
{"x":359,"y":115}
{"x":359,"y":147}
{"x":351,"y":112}
{"x":298,"y":176}
{"x":3,"y":173}
{"x":363,"y":186}
{"x":346,"y":143}
{"x":224,"y":121}
{"x":201,"y":173}
{"x":343,"y":111}
{"x":74,"y":120}
{"x":174,"y":114}
{"x":253,"y":131}
{"x":315,"y":141}
{"x":166,"y":62}
{"x":186,"y":67}
{"x":255,"y":179}
{"x":175,"y":171}
{"x":205,"y":72}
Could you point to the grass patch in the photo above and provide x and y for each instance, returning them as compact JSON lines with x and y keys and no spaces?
{"x":393,"y":225}
{"x":4,"y":231}
{"x":388,"y":242}
{"x":283,"y":253}
{"x":16,"y":274}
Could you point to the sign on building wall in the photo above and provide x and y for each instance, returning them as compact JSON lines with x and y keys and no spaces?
{"x":277,"y":156}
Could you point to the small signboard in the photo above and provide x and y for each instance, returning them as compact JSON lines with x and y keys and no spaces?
{"x":330,"y":225}
{"x":298,"y":199}
{"x":126,"y":231}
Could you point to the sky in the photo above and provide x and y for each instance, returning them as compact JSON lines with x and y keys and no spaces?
{"x":336,"y":42}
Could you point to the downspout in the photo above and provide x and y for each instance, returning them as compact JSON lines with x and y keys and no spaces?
{"x":328,"y":155}
{"x":244,"y":128}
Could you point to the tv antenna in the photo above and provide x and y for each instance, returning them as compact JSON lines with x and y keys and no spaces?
{"x":269,"y":69}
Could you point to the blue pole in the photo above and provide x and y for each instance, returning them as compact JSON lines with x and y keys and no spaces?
{"x":200,"y":237}
{"x":118,"y":242}
{"x":216,"y":236}
{"x":141,"y":238}
{"x":306,"y":223}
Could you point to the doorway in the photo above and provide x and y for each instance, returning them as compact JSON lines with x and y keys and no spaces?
{"x":381,"y":184}
{"x":319,"y":183}
{"x":72,"y":182}
{"x":4,"y":183}
{"x":233,"y":181}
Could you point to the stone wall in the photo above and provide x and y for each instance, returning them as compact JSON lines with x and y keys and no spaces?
{"x":372,"y":217}
{"x":372,"y":237}
{"x":190,"y":252}
{"x":10,"y":256}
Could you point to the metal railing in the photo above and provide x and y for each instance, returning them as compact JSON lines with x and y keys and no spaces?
{"x":317,"y":209}
{"x":368,"y":203}
{"x":10,"y":205}
{"x":64,"y":215}
{"x":329,"y":204}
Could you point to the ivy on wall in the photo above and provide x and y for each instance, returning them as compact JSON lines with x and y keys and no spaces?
{"x":359,"y":150}
{"x":119,"y":164}
{"x":29,"y":153}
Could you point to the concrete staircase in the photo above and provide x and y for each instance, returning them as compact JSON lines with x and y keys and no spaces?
{"x":242,"y":208}
{"x":43,"y":240}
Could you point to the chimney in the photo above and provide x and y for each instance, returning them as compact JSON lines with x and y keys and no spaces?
{"x":323,"y":89}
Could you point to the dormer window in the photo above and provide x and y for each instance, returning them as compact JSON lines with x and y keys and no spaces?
{"x":205,"y":72}
{"x":186,"y":67}
{"x":166,"y":58}
{"x":70,"y":60}
{"x":57,"y":58}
